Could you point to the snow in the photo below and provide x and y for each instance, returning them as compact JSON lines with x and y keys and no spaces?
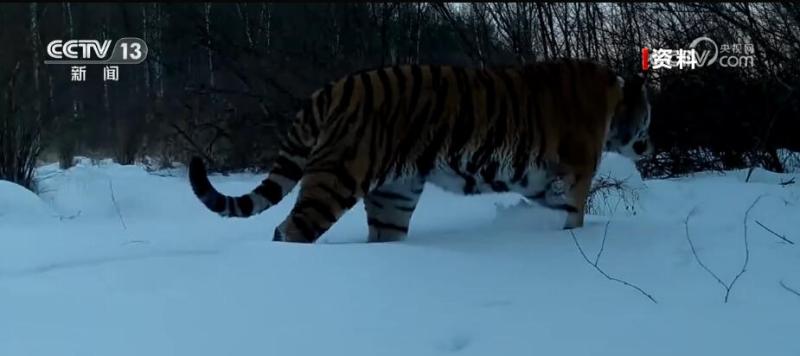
{"x":148,"y":270}
{"x":17,"y":202}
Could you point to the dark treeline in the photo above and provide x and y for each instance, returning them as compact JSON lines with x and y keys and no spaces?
{"x":222,"y":80}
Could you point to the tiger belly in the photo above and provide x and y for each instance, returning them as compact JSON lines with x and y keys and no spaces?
{"x":531,"y":185}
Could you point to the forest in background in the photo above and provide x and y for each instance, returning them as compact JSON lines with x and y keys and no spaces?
{"x":222,"y":80}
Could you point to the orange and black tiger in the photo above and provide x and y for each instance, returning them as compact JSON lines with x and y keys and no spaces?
{"x":538,"y":130}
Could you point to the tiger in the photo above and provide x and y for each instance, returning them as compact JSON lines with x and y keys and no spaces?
{"x":380,"y":135}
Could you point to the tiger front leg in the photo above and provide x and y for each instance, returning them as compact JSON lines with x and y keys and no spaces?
{"x":576,"y":201}
{"x":568,"y":192}
{"x":556,"y":193}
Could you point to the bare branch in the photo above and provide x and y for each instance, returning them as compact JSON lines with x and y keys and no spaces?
{"x":728,"y":286}
{"x":191,"y":142}
{"x":630,"y":285}
{"x":694,"y":251}
{"x":746,"y":247}
{"x":602,"y":244}
{"x":69,"y":217}
{"x":116,"y":206}
{"x":774,"y":233}
{"x":606,"y":187}
{"x":203,"y":90}
{"x":472,"y":50}
{"x":790,"y":289}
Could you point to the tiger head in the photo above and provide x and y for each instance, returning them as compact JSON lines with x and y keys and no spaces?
{"x":629,"y":131}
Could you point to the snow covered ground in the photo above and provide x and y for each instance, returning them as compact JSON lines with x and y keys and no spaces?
{"x":148,"y":271}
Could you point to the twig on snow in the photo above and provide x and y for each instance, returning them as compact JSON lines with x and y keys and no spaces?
{"x":596,"y":267}
{"x":696,"y":256}
{"x":728,"y":286}
{"x":602,"y":244}
{"x":116,"y":206}
{"x":790,"y":289}
{"x":69,"y":217}
{"x":746,"y":246}
{"x":775,"y":233}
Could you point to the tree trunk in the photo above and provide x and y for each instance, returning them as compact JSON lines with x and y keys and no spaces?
{"x":207,"y":22}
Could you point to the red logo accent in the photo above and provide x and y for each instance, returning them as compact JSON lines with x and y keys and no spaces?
{"x":645,"y":59}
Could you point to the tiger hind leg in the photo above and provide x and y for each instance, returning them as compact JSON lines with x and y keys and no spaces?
{"x":389,"y":209}
{"x":323,"y":199}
